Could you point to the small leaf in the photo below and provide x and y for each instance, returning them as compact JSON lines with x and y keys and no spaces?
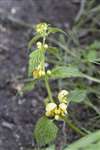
{"x":45,"y":131}
{"x":77,"y":95}
{"x":89,"y":142}
{"x":54,"y":30}
{"x":65,"y":72}
{"x":28,"y":86}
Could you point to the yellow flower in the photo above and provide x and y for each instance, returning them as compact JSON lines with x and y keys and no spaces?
{"x":41,"y":28}
{"x":62,"y":96}
{"x":50,"y":109}
{"x":38,"y":73}
{"x":63,"y":107}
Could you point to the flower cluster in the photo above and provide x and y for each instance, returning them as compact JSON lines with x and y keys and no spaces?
{"x":60,"y":110}
{"x":41,"y":28}
{"x":38,"y":73}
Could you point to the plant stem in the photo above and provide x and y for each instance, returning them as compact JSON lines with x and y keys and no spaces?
{"x":91,"y":78}
{"x":48,"y":89}
{"x":71,"y":125}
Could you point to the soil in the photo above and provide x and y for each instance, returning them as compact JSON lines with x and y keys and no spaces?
{"x":18,"y":115}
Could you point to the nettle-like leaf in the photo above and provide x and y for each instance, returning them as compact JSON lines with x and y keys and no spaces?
{"x":35,"y":58}
{"x":28,"y":86}
{"x":45,"y":131}
{"x":77,"y":95}
{"x":89,"y":142}
{"x":65,"y":72}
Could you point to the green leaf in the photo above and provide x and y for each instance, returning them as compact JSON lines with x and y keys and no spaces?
{"x":45,"y":131}
{"x":77,"y":95}
{"x":91,"y":56}
{"x":95,"y":45}
{"x":52,"y":147}
{"x":35,"y":58}
{"x":65,"y":72}
{"x":54,"y":30}
{"x":28,"y":86}
{"x":89,"y":142}
{"x":33,"y":40}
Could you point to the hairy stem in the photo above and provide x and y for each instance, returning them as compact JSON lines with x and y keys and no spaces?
{"x":48,"y":89}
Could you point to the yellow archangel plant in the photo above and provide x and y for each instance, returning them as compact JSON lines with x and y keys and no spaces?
{"x":46,"y":130}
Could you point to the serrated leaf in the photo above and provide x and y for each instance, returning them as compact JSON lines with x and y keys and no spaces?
{"x":89,"y":142}
{"x":35,"y":58}
{"x":28,"y":86}
{"x":65,"y":72}
{"x":45,"y":131}
{"x":33,"y":40}
{"x":77,"y":95}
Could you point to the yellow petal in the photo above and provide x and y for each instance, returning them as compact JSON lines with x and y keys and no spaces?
{"x":50,"y":107}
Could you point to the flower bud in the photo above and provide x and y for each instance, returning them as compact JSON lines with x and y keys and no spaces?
{"x":48,"y":72}
{"x":62,"y":96}
{"x":39,"y":45}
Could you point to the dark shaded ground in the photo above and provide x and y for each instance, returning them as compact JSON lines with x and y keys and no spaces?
{"x":19,"y":114}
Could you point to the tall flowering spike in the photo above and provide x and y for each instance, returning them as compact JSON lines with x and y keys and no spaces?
{"x":41,"y":28}
{"x":62,"y":96}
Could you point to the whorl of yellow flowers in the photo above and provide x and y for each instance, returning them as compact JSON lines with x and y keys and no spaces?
{"x":41,"y":28}
{"x":57,"y":111}
{"x":38,"y":72}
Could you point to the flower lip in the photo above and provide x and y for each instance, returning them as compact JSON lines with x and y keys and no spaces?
{"x":63,"y":106}
{"x":50,"y":107}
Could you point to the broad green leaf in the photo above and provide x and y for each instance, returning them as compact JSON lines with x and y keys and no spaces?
{"x":45,"y":131}
{"x":28,"y":86}
{"x":35,"y":58}
{"x":89,"y":142}
{"x":65,"y":72}
{"x":77,"y":95}
{"x":91,"y":56}
{"x":33,"y":40}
